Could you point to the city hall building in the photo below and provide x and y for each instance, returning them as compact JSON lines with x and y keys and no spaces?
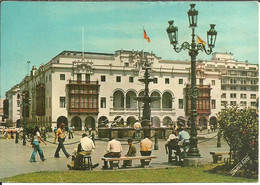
{"x":92,"y":89}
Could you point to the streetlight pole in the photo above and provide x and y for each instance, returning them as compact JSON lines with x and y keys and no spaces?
{"x":25,"y":103}
{"x":193,"y":49}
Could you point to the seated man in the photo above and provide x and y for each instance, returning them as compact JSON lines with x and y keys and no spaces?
{"x":172,"y":144}
{"x":114,"y":150}
{"x":85,"y":147}
{"x":184,"y":140}
{"x":145,"y":148}
{"x":131,"y":152}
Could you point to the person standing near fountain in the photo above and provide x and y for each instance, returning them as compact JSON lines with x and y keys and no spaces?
{"x":137,"y":127}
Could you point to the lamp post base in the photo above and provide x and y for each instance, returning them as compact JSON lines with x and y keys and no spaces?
{"x":193,"y":161}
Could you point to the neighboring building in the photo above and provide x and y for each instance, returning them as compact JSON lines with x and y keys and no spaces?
{"x":12,"y":104}
{"x":1,"y":110}
{"x":101,"y":88}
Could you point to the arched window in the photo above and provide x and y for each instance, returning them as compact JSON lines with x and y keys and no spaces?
{"x":118,"y":100}
{"x":130,"y":102}
{"x":167,"y":100}
{"x":156,"y":105}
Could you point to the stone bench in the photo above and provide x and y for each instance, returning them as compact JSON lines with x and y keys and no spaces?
{"x":217,"y":156}
{"x":114,"y":162}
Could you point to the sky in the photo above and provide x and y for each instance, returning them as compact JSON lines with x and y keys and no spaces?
{"x":38,"y":31}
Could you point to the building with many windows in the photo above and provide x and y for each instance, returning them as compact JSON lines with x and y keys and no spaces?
{"x":90,"y":89}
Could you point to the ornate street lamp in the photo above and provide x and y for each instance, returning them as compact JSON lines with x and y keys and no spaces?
{"x":193,"y":49}
{"x":25,"y":103}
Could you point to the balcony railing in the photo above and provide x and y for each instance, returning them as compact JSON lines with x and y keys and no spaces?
{"x":83,"y":110}
{"x":136,"y":109}
{"x":199,"y":86}
{"x":200,"y":111}
{"x":78,"y":82}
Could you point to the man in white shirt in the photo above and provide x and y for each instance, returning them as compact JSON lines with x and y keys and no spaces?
{"x":145,"y":148}
{"x":85,"y":147}
{"x":114,"y":149}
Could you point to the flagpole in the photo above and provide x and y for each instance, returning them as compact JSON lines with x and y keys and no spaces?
{"x":143,"y":38}
{"x":82,"y":43}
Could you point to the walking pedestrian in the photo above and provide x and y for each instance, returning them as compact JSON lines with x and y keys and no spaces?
{"x":70,"y":133}
{"x":61,"y":138}
{"x":36,"y":138}
{"x":55,"y":130}
{"x":208,"y":128}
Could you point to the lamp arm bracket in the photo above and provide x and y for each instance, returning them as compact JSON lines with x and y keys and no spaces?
{"x":184,"y":45}
{"x":202,"y":47}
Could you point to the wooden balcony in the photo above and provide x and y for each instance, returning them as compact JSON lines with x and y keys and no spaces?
{"x":83,"y":110}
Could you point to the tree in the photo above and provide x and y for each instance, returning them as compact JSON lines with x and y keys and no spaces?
{"x":239,"y":128}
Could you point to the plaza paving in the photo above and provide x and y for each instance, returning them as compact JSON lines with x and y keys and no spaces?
{"x":14,"y":158}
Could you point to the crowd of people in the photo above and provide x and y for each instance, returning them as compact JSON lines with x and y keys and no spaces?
{"x":178,"y":142}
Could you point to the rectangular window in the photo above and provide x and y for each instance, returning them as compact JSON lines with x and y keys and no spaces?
{"x":243,"y":103}
{"x":167,"y":81}
{"x":201,"y":81}
{"x":181,"y":81}
{"x":243,"y":88}
{"x":223,"y":87}
{"x":49,"y":77}
{"x":243,"y":96}
{"x":103,"y":103}
{"x":103,"y":78}
{"x":62,"y":76}
{"x":253,"y":96}
{"x":223,"y":103}
{"x":243,"y":73}
{"x":131,"y":79}
{"x":155,"y":80}
{"x":213,"y":104}
{"x":253,"y":103}
{"x":233,"y":88}
{"x":212,"y":82}
{"x":223,"y":95}
{"x":233,"y":103}
{"x":79,"y":77}
{"x":126,"y":64}
{"x":62,"y":102}
{"x":180,"y":103}
{"x":233,"y":95}
{"x":118,"y":79}
{"x":87,"y":77}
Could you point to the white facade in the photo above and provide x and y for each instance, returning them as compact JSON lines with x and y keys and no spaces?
{"x":14,"y":101}
{"x":118,"y":74}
